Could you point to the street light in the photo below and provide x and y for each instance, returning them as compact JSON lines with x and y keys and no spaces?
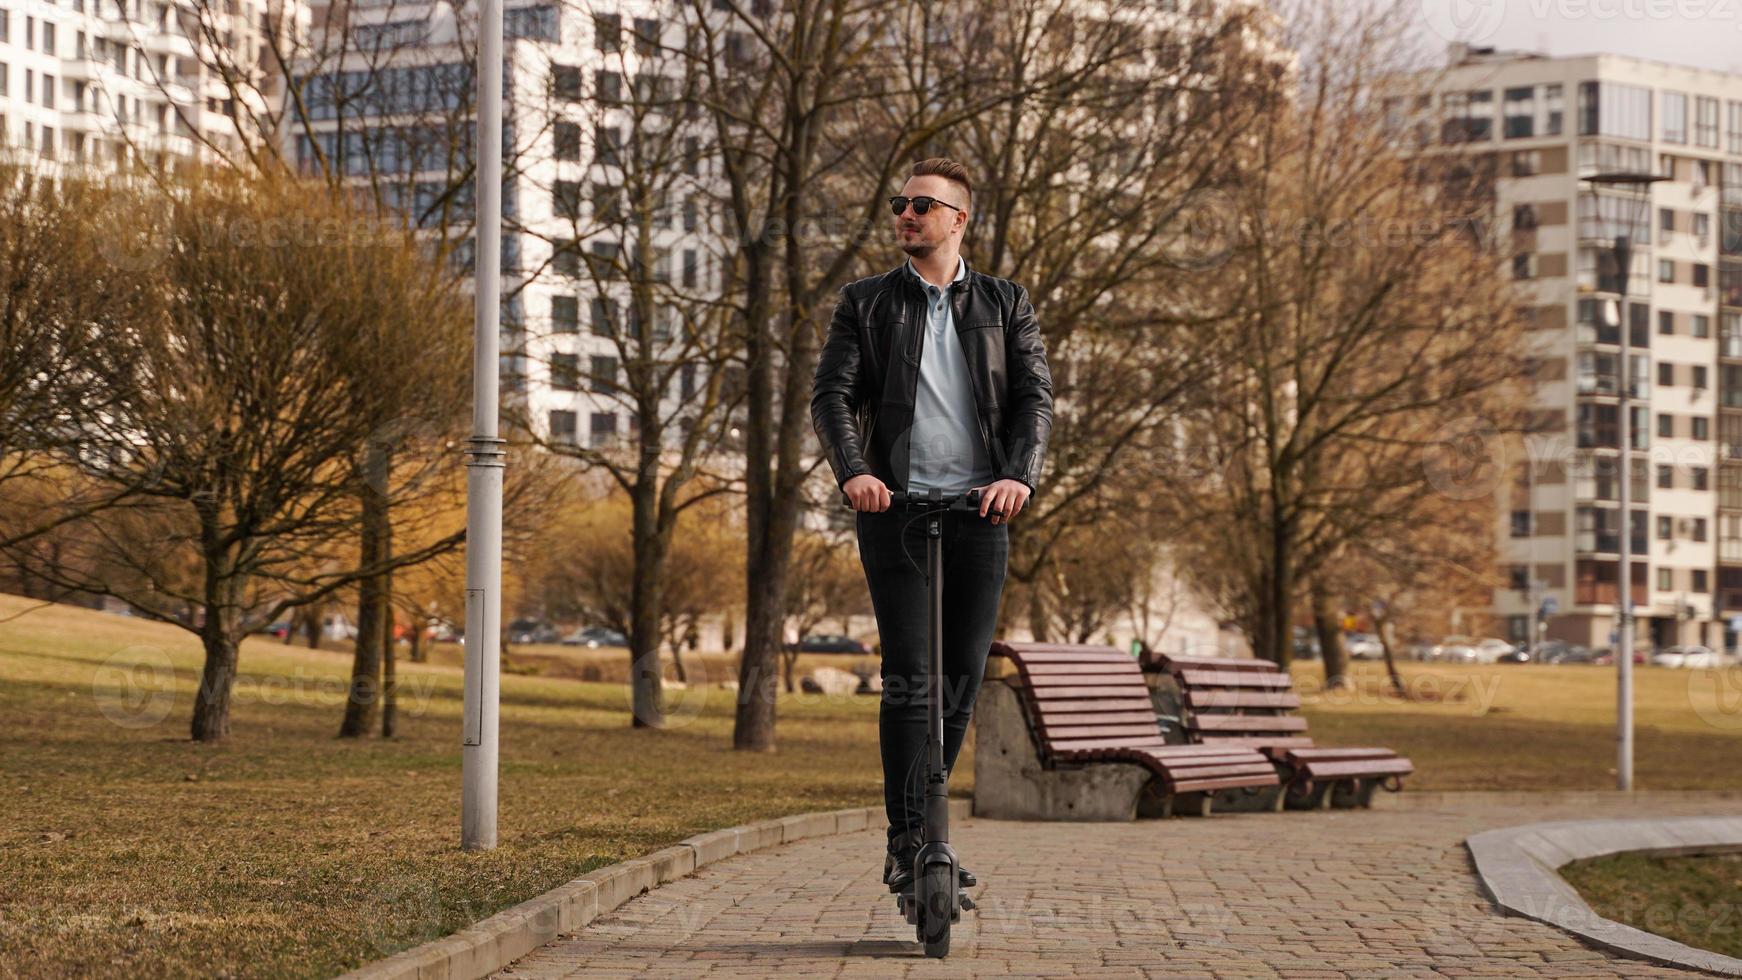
{"x":486,"y":459}
{"x":1628,"y":214}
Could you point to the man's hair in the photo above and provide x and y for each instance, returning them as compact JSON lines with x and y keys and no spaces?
{"x":949,"y":170}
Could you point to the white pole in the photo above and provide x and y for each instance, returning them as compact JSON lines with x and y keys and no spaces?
{"x":1624,"y":642}
{"x":486,"y":459}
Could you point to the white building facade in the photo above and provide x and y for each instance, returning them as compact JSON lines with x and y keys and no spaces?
{"x":1542,"y":125}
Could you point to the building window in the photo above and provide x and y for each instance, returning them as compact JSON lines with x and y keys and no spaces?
{"x":1665,"y":322}
{"x":608,"y":86}
{"x":691,"y":267}
{"x":607,"y":145}
{"x":1524,"y":265}
{"x":1699,"y":529}
{"x":1553,"y":108}
{"x":1702,"y":476}
{"x":567,"y":137}
{"x":1702,"y":326}
{"x":1699,"y":376}
{"x":1675,"y":117}
{"x":604,"y":429}
{"x":608,"y":32}
{"x":1665,"y":477}
{"x":533,"y":23}
{"x":1702,"y":427}
{"x":1733,"y":135}
{"x":604,"y":316}
{"x":1666,"y":270}
{"x":646,"y":37}
{"x":604,"y":376}
{"x":1702,"y":275}
{"x":1665,"y":425}
{"x":1665,"y":374}
{"x":1523,"y":217}
{"x":1699,"y":581}
{"x":562,"y":427}
{"x":1469,"y":116}
{"x":1706,"y":122}
{"x":1612,"y":109}
{"x":1520,"y":576}
{"x":1520,"y":110}
{"x":1663,"y":527}
{"x":565,"y":83}
{"x":565,"y":371}
{"x":1521,"y":523}
{"x":1663,"y":580}
{"x":565,"y":314}
{"x":566,"y":199}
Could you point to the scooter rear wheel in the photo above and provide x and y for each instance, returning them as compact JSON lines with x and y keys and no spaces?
{"x":935,"y":892}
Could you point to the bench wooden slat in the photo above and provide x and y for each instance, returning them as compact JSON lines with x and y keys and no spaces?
{"x":1052,"y":719}
{"x":1216,"y":663}
{"x":1124,"y":703}
{"x":1233,"y":678}
{"x":1099,"y":691}
{"x":1247,"y":723}
{"x":1100,"y":731}
{"x":1057,"y":673}
{"x":1316,"y":754}
{"x":1398,"y":766}
{"x":1271,"y":698}
{"x":1046,"y":682}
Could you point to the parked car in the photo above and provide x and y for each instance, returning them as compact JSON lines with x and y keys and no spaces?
{"x":1605,"y":656}
{"x":1692,"y":656}
{"x":277,"y":631}
{"x":1363,"y":646}
{"x":1456,"y":649}
{"x":1306,"y":643}
{"x":1562,"y":652}
{"x":829,"y":643}
{"x":1517,"y":655}
{"x":594,"y":637}
{"x":532,"y":631}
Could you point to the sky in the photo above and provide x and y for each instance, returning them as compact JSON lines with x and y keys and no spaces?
{"x":1700,"y":33}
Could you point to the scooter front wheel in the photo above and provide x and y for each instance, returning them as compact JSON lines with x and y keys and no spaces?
{"x":936,"y":893}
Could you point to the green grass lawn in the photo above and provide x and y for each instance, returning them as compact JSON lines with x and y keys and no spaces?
{"x":127,"y":850}
{"x":1694,"y":900}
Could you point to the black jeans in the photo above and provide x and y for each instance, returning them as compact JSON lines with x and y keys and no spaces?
{"x":976,"y":552}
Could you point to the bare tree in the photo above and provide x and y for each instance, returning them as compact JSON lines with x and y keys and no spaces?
{"x":1362,"y":326}
{"x":240,"y":402}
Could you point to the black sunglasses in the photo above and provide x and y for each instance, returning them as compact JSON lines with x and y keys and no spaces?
{"x":921,"y":205}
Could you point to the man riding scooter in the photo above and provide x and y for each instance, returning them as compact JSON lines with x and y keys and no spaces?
{"x":933,"y":376}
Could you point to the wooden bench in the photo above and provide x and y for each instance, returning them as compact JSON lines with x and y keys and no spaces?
{"x":1251,"y":703}
{"x":1087,"y":705}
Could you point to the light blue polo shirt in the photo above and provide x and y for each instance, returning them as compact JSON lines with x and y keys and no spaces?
{"x":946,"y":451}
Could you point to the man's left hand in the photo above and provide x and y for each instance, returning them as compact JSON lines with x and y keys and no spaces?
{"x":1005,"y":496}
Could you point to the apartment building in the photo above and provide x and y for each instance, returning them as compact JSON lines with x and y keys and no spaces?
{"x":112,"y":83}
{"x":389,"y":104}
{"x":1540,"y":125}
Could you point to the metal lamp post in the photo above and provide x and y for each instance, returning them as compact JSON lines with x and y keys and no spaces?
{"x":486,"y":459}
{"x":1634,"y":211}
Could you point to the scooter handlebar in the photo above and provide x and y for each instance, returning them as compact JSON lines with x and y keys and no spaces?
{"x":968,"y":501}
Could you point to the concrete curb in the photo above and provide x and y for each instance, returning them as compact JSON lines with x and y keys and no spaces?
{"x":1517,"y":868}
{"x":1411,"y":799}
{"x":485,"y":947}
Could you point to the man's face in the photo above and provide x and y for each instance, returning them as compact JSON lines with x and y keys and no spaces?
{"x":921,"y":234}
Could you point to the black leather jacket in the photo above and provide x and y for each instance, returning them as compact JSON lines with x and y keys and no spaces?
{"x":868,"y":373}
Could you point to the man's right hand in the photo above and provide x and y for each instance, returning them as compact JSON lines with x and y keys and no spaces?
{"x":866,"y":492}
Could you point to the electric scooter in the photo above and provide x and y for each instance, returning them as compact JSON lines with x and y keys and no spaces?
{"x":934,"y":900}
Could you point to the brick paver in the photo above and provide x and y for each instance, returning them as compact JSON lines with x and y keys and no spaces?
{"x":1375,"y":893}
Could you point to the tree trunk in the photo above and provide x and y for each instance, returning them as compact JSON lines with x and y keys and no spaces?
{"x":365,"y":692}
{"x":311,"y":626}
{"x":389,"y":651}
{"x":220,"y":635}
{"x":645,"y":596}
{"x":1386,"y":635}
{"x":211,"y":720}
{"x":1330,"y":633}
{"x":789,"y":665}
{"x":418,"y":653}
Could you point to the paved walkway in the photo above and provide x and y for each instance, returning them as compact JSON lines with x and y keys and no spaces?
{"x":1377,"y":893}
